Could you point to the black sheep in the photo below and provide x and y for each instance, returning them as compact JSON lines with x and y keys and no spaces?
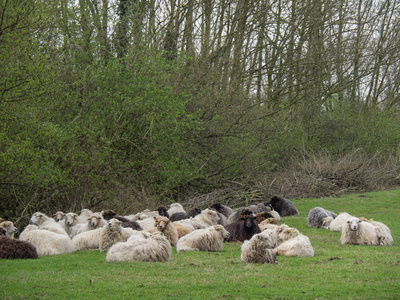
{"x":179,"y":216}
{"x":162,"y":211}
{"x":243,"y":230}
{"x":109,"y":214}
{"x":223,"y":209}
{"x":284,"y":207}
{"x":194,"y":212}
{"x":11,"y":248}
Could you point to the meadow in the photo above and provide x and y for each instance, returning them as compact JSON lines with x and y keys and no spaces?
{"x":335,"y":272}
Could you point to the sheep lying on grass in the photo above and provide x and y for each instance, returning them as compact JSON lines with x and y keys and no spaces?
{"x":242,"y":230}
{"x":113,"y":233}
{"x":357,"y":232}
{"x":283,"y":206}
{"x":47,"y":242}
{"x":70,"y":220}
{"x":109,"y":214}
{"x":223,"y":209}
{"x":338,"y":223}
{"x":191,"y":223}
{"x":383,"y":232}
{"x":269,"y":223}
{"x":319,"y":217}
{"x":84,"y":215}
{"x":209,"y":239}
{"x":46,"y":223}
{"x":8,"y":228}
{"x":141,"y":246}
{"x":258,"y":250}
{"x":238,"y":214}
{"x":11,"y":248}
{"x":293,"y":243}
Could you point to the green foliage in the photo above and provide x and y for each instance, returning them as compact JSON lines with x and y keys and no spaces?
{"x":336,"y":271}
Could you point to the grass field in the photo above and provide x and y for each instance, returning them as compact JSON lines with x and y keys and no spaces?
{"x":336,"y":272}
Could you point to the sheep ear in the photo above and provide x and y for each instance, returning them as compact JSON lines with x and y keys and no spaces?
{"x":168,"y":221}
{"x":155,"y":219}
{"x":348,"y":222}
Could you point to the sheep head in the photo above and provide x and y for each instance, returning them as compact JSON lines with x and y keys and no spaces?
{"x":108,"y":214}
{"x":94,"y":220}
{"x":353,"y":224}
{"x":162,"y":211}
{"x":220,"y":229}
{"x":161,"y":222}
{"x":37,"y":218}
{"x":327,"y":222}
{"x":288,"y":233}
{"x":248,"y":221}
{"x":264,"y":240}
{"x":9,"y":228}
{"x":114,"y":225}
{"x":58,"y":216}
{"x":70,"y":219}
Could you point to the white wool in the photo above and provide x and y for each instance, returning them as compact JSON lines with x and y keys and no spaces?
{"x":356,"y":232}
{"x":209,"y":239}
{"x":84,"y":215}
{"x":299,"y":246}
{"x":46,"y":223}
{"x":274,"y":233}
{"x":275,"y":215}
{"x":208,"y":217}
{"x":339,"y":221}
{"x":175,"y":208}
{"x":146,"y":224}
{"x":113,"y":233}
{"x":47,"y":242}
{"x":93,"y":222}
{"x":59,"y":216}
{"x":141,"y":247}
{"x":258,"y":250}
{"x":87,"y":240}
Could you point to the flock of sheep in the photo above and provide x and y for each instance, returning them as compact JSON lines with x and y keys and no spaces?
{"x":150,"y":235}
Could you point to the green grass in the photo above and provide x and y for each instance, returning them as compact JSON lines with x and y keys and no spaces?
{"x":336,"y":272}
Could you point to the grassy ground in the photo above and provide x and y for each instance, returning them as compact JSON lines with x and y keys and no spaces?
{"x":336,"y":272}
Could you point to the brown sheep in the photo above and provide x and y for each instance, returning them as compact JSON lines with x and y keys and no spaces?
{"x":164,"y":225}
{"x":11,"y":248}
{"x":242,"y":230}
{"x":182,"y":230}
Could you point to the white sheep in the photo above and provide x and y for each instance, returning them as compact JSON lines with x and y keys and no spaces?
{"x":293,"y":243}
{"x":8,"y":228}
{"x":209,"y":239}
{"x":273,"y":233}
{"x":339,"y":221}
{"x":208,"y":217}
{"x":147,"y":223}
{"x":383,"y":232}
{"x":357,"y":232}
{"x":46,"y":223}
{"x":87,"y":240}
{"x":47,"y":242}
{"x":258,"y":250}
{"x":319,"y":217}
{"x":93,"y":222}
{"x":113,"y":233}
{"x":141,"y":247}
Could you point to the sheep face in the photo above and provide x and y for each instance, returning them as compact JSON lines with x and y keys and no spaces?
{"x":264,"y":240}
{"x":224,"y":233}
{"x":162,"y":211}
{"x":71,"y":218}
{"x":353,"y":224}
{"x":327,"y":222}
{"x":248,"y":221}
{"x":94,"y":220}
{"x":37,"y":218}
{"x":217,"y":207}
{"x":287,"y":234}
{"x":58,"y":216}
{"x":161,"y":222}
{"x":114,"y":225}
{"x":8,"y":228}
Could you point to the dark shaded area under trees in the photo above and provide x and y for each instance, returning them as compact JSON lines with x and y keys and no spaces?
{"x":129,"y":104}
